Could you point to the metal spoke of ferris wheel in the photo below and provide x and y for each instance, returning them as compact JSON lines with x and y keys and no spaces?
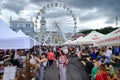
{"x":63,"y":34}
{"x":49,"y":35}
{"x":68,"y":20}
{"x":67,"y":24}
{"x":66,"y":17}
{"x":64,"y":21}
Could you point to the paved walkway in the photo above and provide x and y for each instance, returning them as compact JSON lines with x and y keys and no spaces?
{"x":75,"y":71}
{"x":51,"y":73}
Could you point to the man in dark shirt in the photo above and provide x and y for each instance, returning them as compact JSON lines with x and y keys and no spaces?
{"x":89,"y":65}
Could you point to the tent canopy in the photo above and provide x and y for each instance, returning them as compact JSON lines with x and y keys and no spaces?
{"x":110,"y":39}
{"x":10,"y":40}
{"x":5,"y":31}
{"x":117,"y":31}
{"x":91,"y":37}
{"x":78,"y":40}
{"x":16,"y":43}
{"x":20,"y":33}
{"x":94,"y":35}
{"x":67,"y":42}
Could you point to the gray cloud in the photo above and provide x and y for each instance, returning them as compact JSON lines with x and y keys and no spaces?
{"x":106,"y":8}
{"x":83,"y":4}
{"x":90,"y":17}
{"x":37,"y":1}
{"x":111,"y":12}
{"x":111,"y":20}
{"x":15,"y":5}
{"x":40,"y":2}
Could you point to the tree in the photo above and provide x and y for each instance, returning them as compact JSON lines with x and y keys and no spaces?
{"x":105,"y":30}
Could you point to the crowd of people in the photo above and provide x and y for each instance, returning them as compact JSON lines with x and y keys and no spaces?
{"x":32,"y":63}
{"x":98,"y":63}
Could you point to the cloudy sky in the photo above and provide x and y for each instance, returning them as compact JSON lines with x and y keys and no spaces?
{"x":89,"y":13}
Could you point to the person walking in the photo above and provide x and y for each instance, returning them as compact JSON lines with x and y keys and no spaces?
{"x":43,"y":63}
{"x":50,"y":57}
{"x":16,"y":61}
{"x":61,"y":63}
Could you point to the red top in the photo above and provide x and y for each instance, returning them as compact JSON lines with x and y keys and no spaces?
{"x":50,"y":56}
{"x":102,"y":76}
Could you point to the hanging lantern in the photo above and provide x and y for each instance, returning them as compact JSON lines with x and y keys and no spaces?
{"x":75,"y":22}
{"x":73,"y":15}
{"x":56,"y":4}
{"x":36,"y":17}
{"x":48,"y":6}
{"x":64,"y":6}
{"x":68,"y":9}
{"x":36,"y":21}
{"x":38,"y":13}
{"x":60,"y":5}
{"x":74,"y":19}
{"x":51,"y":4}
{"x":42,"y":11}
{"x":44,"y":7}
{"x":75,"y":26}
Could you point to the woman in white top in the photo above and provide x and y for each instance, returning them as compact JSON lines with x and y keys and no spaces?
{"x":61,"y":65}
{"x":108,"y":53}
{"x":43,"y":63}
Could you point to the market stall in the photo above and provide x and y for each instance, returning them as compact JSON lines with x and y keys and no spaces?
{"x":10,"y":40}
{"x":111,"y":39}
{"x":91,"y":38}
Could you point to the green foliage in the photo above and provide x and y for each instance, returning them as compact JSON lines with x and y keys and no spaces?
{"x":105,"y":30}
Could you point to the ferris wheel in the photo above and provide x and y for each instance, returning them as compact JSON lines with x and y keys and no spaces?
{"x":58,"y":17}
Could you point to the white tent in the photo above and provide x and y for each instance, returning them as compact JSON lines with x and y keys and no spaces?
{"x":16,"y":43}
{"x":20,"y":33}
{"x":78,"y":40}
{"x":91,"y":38}
{"x":110,"y":39}
{"x":10,"y":40}
{"x":5,"y":31}
{"x":67,"y":42}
